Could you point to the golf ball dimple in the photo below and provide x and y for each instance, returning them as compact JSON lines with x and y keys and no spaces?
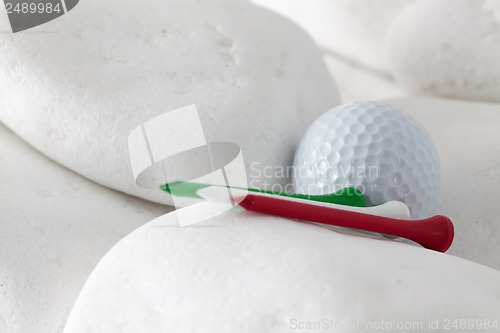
{"x":374,"y":147}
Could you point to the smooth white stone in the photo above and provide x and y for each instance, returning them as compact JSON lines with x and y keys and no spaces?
{"x":448,"y":48}
{"x":76,"y":87}
{"x":259,"y":273}
{"x":354,"y":29}
{"x":54,"y":227}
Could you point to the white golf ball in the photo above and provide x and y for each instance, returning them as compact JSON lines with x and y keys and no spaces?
{"x":374,"y":147}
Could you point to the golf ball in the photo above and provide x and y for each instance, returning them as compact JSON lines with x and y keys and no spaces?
{"x":375,"y":148}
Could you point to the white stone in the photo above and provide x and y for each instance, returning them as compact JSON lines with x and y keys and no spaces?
{"x":357,"y":83}
{"x":77,"y":86}
{"x":448,"y":48}
{"x":258,"y":273}
{"x":54,"y":227}
{"x":467,"y":140}
{"x":354,"y":29}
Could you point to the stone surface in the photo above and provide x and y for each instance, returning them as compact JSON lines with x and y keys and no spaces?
{"x":358,"y":83}
{"x":55,"y":227}
{"x":448,"y":48}
{"x":354,"y":29}
{"x":258,"y":273}
{"x":76,"y":87}
{"x":467,"y":140}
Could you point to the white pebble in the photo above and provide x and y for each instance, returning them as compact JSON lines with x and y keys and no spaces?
{"x":258,"y":273}
{"x":448,"y":48}
{"x":77,"y":86}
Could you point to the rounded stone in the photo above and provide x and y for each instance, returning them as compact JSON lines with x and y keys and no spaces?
{"x":448,"y":48}
{"x":75,"y":87}
{"x":240,"y":273}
